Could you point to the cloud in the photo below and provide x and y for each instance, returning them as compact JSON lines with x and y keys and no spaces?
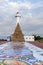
{"x":31,"y":16}
{"x":37,"y":4}
{"x":19,"y":5}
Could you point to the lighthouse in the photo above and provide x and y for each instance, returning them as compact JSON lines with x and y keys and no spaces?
{"x":17,"y":34}
{"x":18,"y":16}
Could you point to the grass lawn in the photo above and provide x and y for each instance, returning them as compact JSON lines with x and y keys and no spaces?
{"x":41,"y":40}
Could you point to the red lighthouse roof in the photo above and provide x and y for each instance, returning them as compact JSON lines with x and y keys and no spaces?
{"x":17,"y":13}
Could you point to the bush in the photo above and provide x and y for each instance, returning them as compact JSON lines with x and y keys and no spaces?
{"x":37,"y":37}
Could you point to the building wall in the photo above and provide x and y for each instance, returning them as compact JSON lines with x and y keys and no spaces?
{"x":29,"y":38}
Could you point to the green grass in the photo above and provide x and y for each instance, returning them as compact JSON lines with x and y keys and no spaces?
{"x":41,"y":40}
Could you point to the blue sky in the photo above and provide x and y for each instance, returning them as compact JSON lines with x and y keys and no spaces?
{"x":31,"y":16}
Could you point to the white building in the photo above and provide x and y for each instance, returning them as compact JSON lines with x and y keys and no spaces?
{"x":29,"y":38}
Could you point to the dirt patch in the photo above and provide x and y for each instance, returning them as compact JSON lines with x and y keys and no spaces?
{"x":36,"y":43}
{"x":2,"y":41}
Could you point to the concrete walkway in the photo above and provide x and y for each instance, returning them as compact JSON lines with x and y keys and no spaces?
{"x":37,"y":52}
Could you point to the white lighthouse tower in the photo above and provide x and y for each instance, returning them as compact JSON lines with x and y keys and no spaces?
{"x":17,"y":35}
{"x":18,"y":17}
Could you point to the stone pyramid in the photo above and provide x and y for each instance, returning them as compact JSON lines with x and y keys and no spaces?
{"x":17,"y":35}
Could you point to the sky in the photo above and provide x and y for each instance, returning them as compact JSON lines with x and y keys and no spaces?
{"x":31,"y":12}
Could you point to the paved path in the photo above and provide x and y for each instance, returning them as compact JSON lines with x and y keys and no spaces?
{"x":37,"y":52}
